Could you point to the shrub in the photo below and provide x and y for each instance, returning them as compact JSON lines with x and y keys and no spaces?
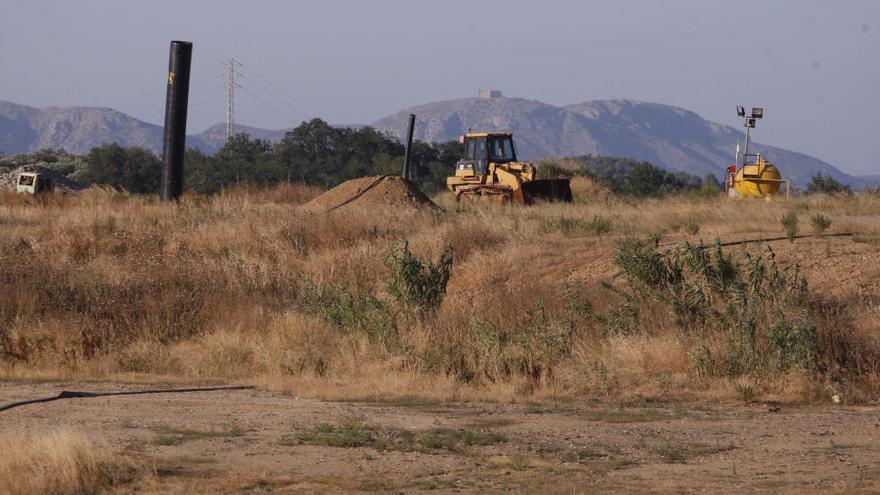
{"x":790,"y":225}
{"x":352,"y":312}
{"x":826,"y":184}
{"x":737,"y":306}
{"x":416,"y":284}
{"x":820,"y":223}
{"x":794,"y":343}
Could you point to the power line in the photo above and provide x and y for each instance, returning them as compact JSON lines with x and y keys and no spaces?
{"x":266,"y":104}
{"x":264,"y":85}
{"x":203,"y":78}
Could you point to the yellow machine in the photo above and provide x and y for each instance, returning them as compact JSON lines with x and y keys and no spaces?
{"x":760,"y":179}
{"x":490,"y":172}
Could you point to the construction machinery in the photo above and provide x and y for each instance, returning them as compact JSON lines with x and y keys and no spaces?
{"x":34,"y":183}
{"x":490,"y":172}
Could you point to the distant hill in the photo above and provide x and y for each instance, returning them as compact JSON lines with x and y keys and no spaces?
{"x":78,"y":129}
{"x":670,"y":137}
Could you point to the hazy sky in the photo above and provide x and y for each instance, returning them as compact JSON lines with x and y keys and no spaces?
{"x":814,"y":65}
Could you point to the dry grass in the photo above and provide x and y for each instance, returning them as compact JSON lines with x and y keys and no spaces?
{"x":60,"y":462}
{"x":103,"y":284}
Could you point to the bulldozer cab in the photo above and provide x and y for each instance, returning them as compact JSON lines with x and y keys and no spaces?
{"x":485,"y":148}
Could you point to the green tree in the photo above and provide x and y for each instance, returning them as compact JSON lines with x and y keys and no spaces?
{"x":826,"y":184}
{"x":134,"y":169}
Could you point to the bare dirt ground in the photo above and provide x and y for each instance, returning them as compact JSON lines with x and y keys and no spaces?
{"x":261,"y":442}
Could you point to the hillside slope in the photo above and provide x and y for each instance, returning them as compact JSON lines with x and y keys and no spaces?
{"x":670,"y":137}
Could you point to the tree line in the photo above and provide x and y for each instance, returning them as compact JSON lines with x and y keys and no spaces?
{"x":319,"y":154}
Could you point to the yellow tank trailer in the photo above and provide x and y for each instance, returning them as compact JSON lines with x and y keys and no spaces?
{"x":754,"y":179}
{"x":760,"y":179}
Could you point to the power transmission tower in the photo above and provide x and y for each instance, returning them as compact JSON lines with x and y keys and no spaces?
{"x":230,"y":96}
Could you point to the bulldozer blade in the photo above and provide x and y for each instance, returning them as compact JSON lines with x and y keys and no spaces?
{"x":547,"y":190}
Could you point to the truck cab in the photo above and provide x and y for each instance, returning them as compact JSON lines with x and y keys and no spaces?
{"x":34,"y":183}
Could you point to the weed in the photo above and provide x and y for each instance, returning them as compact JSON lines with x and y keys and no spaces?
{"x":353,"y":433}
{"x":790,"y":225}
{"x":741,"y":303}
{"x":680,"y":453}
{"x":416,"y":284}
{"x":820,"y":223}
{"x":621,"y":415}
{"x":794,"y":343}
{"x":166,"y":436}
{"x":745,"y":392}
{"x":352,"y":312}
{"x":598,"y":225}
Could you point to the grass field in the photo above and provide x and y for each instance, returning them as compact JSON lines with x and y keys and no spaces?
{"x":551,"y":301}
{"x":612,"y":311}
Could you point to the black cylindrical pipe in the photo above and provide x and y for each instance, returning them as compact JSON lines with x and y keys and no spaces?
{"x":176,"y":99}
{"x":409,"y":137}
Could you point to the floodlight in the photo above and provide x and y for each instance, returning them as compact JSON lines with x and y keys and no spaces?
{"x":757,"y":112}
{"x":750,"y":121}
{"x":740,"y":111}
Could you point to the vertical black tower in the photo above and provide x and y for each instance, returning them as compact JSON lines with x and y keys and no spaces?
{"x":175,"y":119}
{"x":406,"y":173}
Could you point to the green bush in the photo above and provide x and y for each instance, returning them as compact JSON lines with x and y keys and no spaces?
{"x":820,"y":223}
{"x":736,"y":307}
{"x":415,"y":284}
{"x":350,"y":311}
{"x":826,"y":184}
{"x":790,"y":225}
{"x":795,"y":343}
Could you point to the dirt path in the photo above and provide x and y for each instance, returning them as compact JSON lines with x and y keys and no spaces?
{"x":262,"y":442}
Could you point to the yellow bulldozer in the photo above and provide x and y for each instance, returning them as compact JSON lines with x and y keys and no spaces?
{"x":490,"y":172}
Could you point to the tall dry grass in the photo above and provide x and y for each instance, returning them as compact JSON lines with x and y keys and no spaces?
{"x":59,"y":462}
{"x":247,"y":285}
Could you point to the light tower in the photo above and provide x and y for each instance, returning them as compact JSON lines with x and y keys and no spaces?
{"x":749,"y":122}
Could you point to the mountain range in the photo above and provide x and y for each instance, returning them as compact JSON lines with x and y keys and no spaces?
{"x":671,"y":137}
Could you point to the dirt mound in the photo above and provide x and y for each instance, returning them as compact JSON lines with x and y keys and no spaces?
{"x":9,"y":179}
{"x":381,"y":191}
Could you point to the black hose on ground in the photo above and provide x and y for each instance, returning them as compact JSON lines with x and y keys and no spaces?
{"x":76,"y":394}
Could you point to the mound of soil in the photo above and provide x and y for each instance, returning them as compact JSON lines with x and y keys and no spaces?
{"x":377,"y":191}
{"x":10,"y":179}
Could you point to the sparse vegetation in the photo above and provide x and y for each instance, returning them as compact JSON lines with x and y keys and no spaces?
{"x":353,"y":433}
{"x":598,"y":225}
{"x":245,"y":285}
{"x":166,"y":435}
{"x":60,"y":461}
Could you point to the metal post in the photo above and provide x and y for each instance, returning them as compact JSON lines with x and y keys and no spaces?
{"x":406,"y":156}
{"x":746,"y":152}
{"x":176,"y":99}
